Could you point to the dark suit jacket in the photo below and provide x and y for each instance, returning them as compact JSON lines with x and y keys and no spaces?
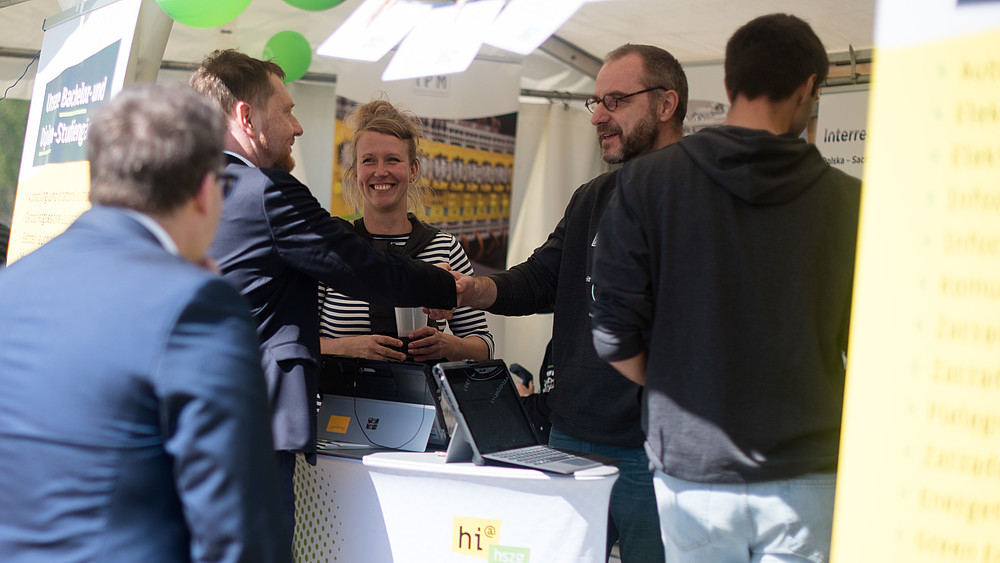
{"x":274,"y":243}
{"x":132,"y":407}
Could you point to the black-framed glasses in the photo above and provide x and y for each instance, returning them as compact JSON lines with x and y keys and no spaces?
{"x":226,"y":181}
{"x":611,"y":101}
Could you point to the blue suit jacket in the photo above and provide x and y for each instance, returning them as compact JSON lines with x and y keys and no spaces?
{"x":274,"y":242}
{"x":132,"y":407}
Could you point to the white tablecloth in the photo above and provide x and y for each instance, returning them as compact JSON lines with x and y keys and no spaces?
{"x":413,"y":507}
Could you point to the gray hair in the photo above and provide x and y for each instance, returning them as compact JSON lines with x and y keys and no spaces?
{"x":150,"y":147}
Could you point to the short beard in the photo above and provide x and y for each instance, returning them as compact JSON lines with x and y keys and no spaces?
{"x":641,"y":139}
{"x":283,"y":161}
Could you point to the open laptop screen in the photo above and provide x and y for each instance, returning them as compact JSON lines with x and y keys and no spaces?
{"x":488,"y":400}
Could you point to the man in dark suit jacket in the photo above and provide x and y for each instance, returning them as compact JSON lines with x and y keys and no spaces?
{"x":276,"y":242}
{"x":133,"y":407}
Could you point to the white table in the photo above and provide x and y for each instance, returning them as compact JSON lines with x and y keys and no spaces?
{"x":337,"y":515}
{"x":413,"y":507}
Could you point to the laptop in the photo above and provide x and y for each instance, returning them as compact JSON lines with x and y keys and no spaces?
{"x":383,"y":404}
{"x":492,"y":425}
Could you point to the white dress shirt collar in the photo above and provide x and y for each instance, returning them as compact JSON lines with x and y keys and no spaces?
{"x":241,"y":157}
{"x":156,"y":229}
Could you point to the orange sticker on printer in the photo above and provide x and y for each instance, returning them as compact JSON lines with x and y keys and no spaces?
{"x":338,"y":424}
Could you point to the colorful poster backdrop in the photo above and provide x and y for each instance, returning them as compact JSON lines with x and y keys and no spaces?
{"x":468,"y":165}
{"x":919,"y":477}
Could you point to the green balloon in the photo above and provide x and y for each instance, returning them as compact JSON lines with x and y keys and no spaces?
{"x":291,"y":51}
{"x":314,"y":5}
{"x":202,"y":13}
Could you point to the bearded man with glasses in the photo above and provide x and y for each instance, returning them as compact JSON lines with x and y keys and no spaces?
{"x":644,"y":131}
{"x":639,"y":105}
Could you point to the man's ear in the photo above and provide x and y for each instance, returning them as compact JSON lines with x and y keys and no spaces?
{"x":808,"y":89}
{"x":244,"y":116}
{"x":668,"y":105}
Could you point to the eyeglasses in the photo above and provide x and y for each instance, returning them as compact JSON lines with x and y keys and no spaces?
{"x":611,"y":101}
{"x":226,"y":181}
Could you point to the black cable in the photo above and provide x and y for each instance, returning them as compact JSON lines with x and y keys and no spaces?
{"x":361,"y":425}
{"x":32,"y":61}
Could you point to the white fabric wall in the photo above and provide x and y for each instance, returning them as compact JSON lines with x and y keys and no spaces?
{"x":316,"y":109}
{"x":556,"y":152}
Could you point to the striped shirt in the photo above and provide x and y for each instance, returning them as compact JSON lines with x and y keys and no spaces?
{"x":342,"y":316}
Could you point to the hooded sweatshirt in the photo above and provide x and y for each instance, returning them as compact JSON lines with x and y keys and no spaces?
{"x":729,"y":256}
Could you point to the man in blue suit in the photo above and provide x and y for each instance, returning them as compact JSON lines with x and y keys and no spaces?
{"x":276,"y":241}
{"x":133,"y":408}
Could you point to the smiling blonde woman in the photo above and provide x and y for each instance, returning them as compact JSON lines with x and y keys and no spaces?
{"x":383,"y":181}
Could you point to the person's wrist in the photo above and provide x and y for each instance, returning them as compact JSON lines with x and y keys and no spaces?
{"x":450,"y":350}
{"x":485,"y":291}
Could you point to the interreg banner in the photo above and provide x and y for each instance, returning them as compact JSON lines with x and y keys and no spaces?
{"x":842,"y":130}
{"x":919,"y":473}
{"x":85,"y":54}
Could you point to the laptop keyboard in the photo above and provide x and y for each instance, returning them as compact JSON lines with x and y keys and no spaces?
{"x":532,"y":455}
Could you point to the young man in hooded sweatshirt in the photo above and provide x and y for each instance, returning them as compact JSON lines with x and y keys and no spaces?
{"x":723,"y":276}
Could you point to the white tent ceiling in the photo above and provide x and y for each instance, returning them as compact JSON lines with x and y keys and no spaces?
{"x":693,"y":30}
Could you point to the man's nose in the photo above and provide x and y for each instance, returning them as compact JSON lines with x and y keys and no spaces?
{"x":600,"y":115}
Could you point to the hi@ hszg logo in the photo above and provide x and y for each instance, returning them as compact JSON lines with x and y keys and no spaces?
{"x":474,"y":536}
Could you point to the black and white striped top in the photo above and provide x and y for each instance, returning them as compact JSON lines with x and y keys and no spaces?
{"x":342,"y":316}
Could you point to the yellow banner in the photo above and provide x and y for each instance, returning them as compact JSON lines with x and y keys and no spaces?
{"x":919,"y":476}
{"x":46,"y":204}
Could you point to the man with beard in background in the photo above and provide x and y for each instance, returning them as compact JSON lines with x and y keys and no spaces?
{"x":639,"y":105}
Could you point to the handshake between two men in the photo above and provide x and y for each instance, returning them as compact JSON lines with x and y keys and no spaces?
{"x":475,"y":292}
